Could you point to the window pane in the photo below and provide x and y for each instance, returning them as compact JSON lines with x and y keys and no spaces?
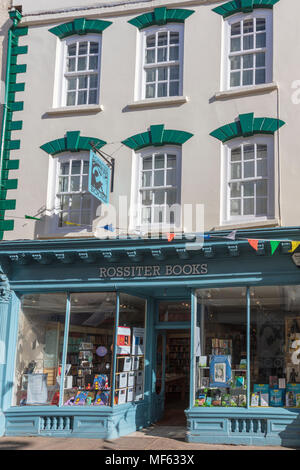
{"x":236,"y":171}
{"x":248,"y":189}
{"x":235,"y":79}
{"x":235,"y":189}
{"x":174,"y":89}
{"x":71,"y":83}
{"x":86,"y":201}
{"x":262,"y":167}
{"x":249,"y":206}
{"x":162,"y":89}
{"x":171,"y":177}
{"x":235,"y":63}
{"x":159,"y":178}
{"x":63,"y":184}
{"x":260,"y":24}
{"x":236,"y":155}
{"x":94,"y":48}
{"x":261,"y":40}
{"x":159,"y":161}
{"x":72,"y":49}
{"x":236,"y":29}
{"x":83,"y":48}
{"x":146,"y":178}
{"x":261,"y":206}
{"x":158,"y":214}
{"x":260,"y":59}
{"x":262,"y":188}
{"x":146,"y":198}
{"x":86,"y":167}
{"x":235,"y":207}
{"x":71,"y":64}
{"x":248,"y":77}
{"x":150,"y":75}
{"x":82,"y":97}
{"x":83,"y":82}
{"x":171,"y":161}
{"x":146,"y":215}
{"x":76,"y":167}
{"x":162,"y":39}
{"x":93,"y":97}
{"x":71,"y":97}
{"x":248,"y":42}
{"x":76,"y":202}
{"x":162,"y":73}
{"x":174,"y":53}
{"x":235,"y":44}
{"x":248,"y":169}
{"x":150,"y":41}
{"x":82,"y":63}
{"x":260,"y":76}
{"x":147,"y":163}
{"x":262,"y":151}
{"x":39,"y":351}
{"x":159,"y":196}
{"x":174,"y":37}
{"x":174,"y":72}
{"x":248,"y":152}
{"x":248,"y":61}
{"x":84,"y":184}
{"x":85,"y":218}
{"x":93,"y":63}
{"x":94,"y":81}
{"x":248,"y":26}
{"x":75,"y":183}
{"x":150,"y":56}
{"x":171,"y":197}
{"x":162,"y":54}
{"x":64,"y":203}
{"x":64,"y":168}
{"x":150,"y":91}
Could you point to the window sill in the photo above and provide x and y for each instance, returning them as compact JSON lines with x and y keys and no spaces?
{"x":246,"y":91}
{"x":85,"y":109}
{"x":241,"y":225}
{"x":158,"y":102}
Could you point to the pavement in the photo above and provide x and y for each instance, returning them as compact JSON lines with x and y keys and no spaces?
{"x":153,"y":438}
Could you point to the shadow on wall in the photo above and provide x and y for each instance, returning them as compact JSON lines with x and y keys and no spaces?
{"x":290,"y":436}
{"x":3,"y":56}
{"x":13,"y":445}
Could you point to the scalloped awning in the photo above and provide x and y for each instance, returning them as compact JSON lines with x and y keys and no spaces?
{"x":243,"y":6}
{"x":161,"y":16}
{"x":80,"y":26}
{"x":157,"y":136}
{"x":72,"y":142}
{"x":246,"y":126}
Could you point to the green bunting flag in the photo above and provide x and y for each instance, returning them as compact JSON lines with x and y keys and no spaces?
{"x":274,"y":244}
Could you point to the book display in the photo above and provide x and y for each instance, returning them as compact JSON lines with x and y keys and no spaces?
{"x":177,"y":365}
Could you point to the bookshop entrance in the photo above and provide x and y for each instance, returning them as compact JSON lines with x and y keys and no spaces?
{"x":172,"y":363}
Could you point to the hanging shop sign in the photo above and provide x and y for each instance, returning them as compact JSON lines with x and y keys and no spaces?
{"x":99,"y":178}
{"x":153,"y":271}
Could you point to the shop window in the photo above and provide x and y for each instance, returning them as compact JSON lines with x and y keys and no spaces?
{"x":162,"y":62}
{"x":39,"y":349}
{"x":130,"y":353}
{"x":90,"y":349}
{"x":221,"y":348}
{"x":174,"y":311}
{"x":248,"y":50}
{"x":275,"y":346}
{"x":249,"y":173}
{"x":80,"y":71}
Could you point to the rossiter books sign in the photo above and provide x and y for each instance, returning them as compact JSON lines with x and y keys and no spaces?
{"x":99,"y":178}
{"x":153,"y":271}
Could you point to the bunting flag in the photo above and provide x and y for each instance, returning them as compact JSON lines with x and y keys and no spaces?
{"x":231,"y":235}
{"x":274,"y":244}
{"x":108,"y":227}
{"x":72,"y":223}
{"x":253,"y":243}
{"x":294,"y":246}
{"x":171,"y":236}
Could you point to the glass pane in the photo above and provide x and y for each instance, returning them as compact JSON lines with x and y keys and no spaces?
{"x":171,"y":197}
{"x":162,"y":39}
{"x":64,"y":168}
{"x":158,"y":212}
{"x":261,"y":206}
{"x":71,"y":64}
{"x":71,"y":83}
{"x":83,"y":48}
{"x":174,"y":311}
{"x":174,"y":72}
{"x":248,"y":189}
{"x":159,"y":196}
{"x":150,"y":41}
{"x":63,"y":184}
{"x":248,"y":152}
{"x":64,"y":203}
{"x":262,"y":188}
{"x":159,"y":178}
{"x":162,"y":54}
{"x":262,"y":167}
{"x":171,"y":177}
{"x":94,"y":81}
{"x":146,"y":178}
{"x":146,"y":198}
{"x":171,"y":161}
{"x":248,"y":26}
{"x":162,"y":89}
{"x":260,"y":24}
{"x":248,"y":169}
{"x":150,"y":56}
{"x":93,"y":62}
{"x":131,"y":342}
{"x":174,"y":53}
{"x":162,"y":73}
{"x":235,"y":79}
{"x":86,"y":167}
{"x":235,"y":207}
{"x":75,"y":183}
{"x":93,"y":97}
{"x":261,"y":40}
{"x":147,"y":163}
{"x":72,"y":49}
{"x":146,"y":215}
{"x":150,"y":75}
{"x":235,"y":44}
{"x":249,"y":206}
{"x":174,"y":89}
{"x":236,"y":171}
{"x":236,"y":29}
{"x":174,"y":37}
{"x":248,"y":61}
{"x":94,"y":48}
{"x":83,"y":82}
{"x":82,"y":97}
{"x":235,"y":189}
{"x":235,"y":63}
{"x":221,"y":345}
{"x":76,"y":167}
{"x":86,"y":201}
{"x":150,"y":91}
{"x":39,"y":352}
{"x":248,"y":42}
{"x":260,"y":59}
{"x":76,"y":202}
{"x":90,"y":348}
{"x":248,"y":77}
{"x":262,"y":151}
{"x":159,"y":161}
{"x":260,"y":76}
{"x":84,"y":183}
{"x":82,"y":63}
{"x":71,"y":99}
{"x":236,"y":154}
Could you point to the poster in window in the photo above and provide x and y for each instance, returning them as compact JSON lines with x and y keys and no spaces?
{"x":220,"y":371}
{"x":123,"y":340}
{"x":138,"y":337}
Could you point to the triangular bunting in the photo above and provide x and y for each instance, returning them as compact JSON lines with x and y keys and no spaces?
{"x":171,"y":236}
{"x":274,"y":244}
{"x":231,"y":235}
{"x":253,"y":243}
{"x":294,"y":246}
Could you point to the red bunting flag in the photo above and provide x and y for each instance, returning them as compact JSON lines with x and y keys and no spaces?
{"x":171,"y":236}
{"x":253,"y":243}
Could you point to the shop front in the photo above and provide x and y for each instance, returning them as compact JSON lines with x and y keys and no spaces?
{"x":100,"y":338}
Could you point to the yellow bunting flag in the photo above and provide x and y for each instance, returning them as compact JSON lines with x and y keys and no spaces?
{"x":294,"y":246}
{"x":71,"y":223}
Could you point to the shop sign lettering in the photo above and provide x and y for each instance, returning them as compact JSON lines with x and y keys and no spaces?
{"x":153,"y":271}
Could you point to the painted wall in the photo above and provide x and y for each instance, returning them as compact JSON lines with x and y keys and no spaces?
{"x":201,"y":155}
{"x":5,"y":24}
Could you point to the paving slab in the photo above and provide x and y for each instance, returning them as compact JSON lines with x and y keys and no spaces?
{"x":153,"y":438}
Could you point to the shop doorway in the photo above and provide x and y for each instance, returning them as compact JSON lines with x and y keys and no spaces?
{"x":172,"y":376}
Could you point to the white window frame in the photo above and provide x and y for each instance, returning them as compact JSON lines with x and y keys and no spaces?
{"x":53,"y":201}
{"x":140,"y":93}
{"x":226,"y":218}
{"x":136,"y":195}
{"x":60,"y":91}
{"x":257,"y":13}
